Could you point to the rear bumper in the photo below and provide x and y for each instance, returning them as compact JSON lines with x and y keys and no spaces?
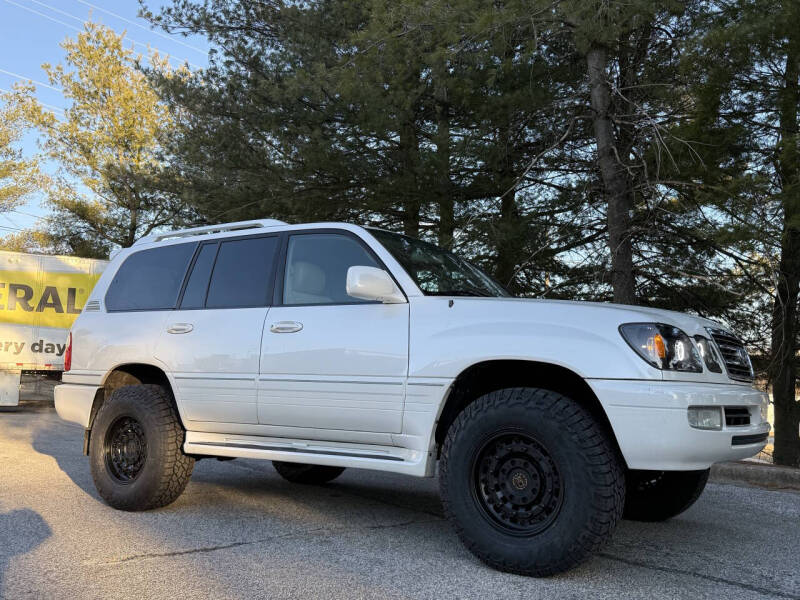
{"x":650,"y":421}
{"x":74,"y":402}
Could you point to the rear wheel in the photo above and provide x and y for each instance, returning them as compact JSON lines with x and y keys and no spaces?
{"x":530,"y":481}
{"x":303,"y":473}
{"x":661,"y":495}
{"x":135,"y":449}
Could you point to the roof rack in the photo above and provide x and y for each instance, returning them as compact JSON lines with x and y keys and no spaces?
{"x":208,"y":229}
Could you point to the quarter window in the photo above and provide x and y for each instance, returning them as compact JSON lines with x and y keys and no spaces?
{"x":150,"y":279}
{"x":194,"y":296}
{"x":316,"y":268}
{"x":242,"y":273}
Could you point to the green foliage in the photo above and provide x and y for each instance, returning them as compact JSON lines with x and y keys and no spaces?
{"x":470,"y":123}
{"x":20,"y":177}
{"x":750,"y":53}
{"x":106,"y":146}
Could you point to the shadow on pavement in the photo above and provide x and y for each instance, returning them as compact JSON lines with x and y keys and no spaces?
{"x":21,"y":531}
{"x":64,"y":443}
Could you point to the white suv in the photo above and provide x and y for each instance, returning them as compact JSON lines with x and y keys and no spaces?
{"x":329,"y":345}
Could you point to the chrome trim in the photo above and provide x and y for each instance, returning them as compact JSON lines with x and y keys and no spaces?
{"x":215,"y":378}
{"x":92,"y":306}
{"x":731,"y":347}
{"x":282,"y":379}
{"x":297,"y":450}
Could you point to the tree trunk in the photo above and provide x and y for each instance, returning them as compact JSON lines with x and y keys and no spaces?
{"x":509,"y":242}
{"x":443,"y":188}
{"x":783,"y":364}
{"x":616,"y":183}
{"x":133,"y":226}
{"x":409,"y":149}
{"x":784,"y":339}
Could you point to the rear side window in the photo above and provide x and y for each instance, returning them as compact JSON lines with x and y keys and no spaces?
{"x":194,"y":296}
{"x":150,"y":279}
{"x":242,"y":273}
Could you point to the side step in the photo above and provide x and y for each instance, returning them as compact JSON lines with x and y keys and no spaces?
{"x":359,"y":456}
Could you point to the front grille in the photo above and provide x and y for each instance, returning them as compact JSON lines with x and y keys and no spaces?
{"x":737,"y":362}
{"x":737,"y":416}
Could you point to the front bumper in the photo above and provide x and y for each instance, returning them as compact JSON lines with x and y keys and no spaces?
{"x":651,"y":424}
{"x":74,"y":402}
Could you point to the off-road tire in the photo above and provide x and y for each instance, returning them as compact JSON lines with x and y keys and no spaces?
{"x":588,"y":468}
{"x":306,"y":474}
{"x":165,"y":469}
{"x":661,"y":495}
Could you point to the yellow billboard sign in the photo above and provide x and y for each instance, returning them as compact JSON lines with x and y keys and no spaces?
{"x":43,"y":298}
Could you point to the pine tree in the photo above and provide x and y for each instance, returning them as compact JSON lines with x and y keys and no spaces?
{"x":752,"y":50}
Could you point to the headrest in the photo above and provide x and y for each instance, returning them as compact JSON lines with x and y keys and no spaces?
{"x":306,"y":278}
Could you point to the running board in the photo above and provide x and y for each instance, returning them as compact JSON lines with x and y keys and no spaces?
{"x":383,"y":458}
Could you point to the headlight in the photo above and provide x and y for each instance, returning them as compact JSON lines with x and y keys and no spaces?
{"x":663,"y":346}
{"x":709,"y":353}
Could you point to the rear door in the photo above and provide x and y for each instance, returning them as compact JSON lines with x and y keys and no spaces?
{"x":141,"y":296}
{"x":211,"y":343}
{"x":328,"y":360}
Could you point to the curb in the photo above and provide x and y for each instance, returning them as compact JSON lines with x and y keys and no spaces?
{"x":761,"y":475}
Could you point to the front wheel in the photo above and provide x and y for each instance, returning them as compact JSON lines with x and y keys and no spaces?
{"x":135,"y":449}
{"x":530,"y":481}
{"x":661,"y":495}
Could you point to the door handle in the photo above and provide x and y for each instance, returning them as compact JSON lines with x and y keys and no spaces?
{"x":285,"y":327}
{"x":180,"y":328}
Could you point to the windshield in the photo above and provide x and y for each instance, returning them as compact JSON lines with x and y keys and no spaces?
{"x":436,"y":271}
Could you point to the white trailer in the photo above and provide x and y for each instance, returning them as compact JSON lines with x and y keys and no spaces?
{"x":40,"y":297}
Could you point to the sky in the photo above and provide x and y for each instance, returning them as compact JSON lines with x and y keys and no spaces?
{"x":30,"y":34}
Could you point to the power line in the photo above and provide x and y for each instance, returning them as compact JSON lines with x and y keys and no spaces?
{"x":27,"y":214}
{"x":57,"y":10}
{"x":41,"y":14}
{"x":7,"y":216}
{"x":23,"y":78}
{"x":140,"y":26}
{"x":65,"y":24}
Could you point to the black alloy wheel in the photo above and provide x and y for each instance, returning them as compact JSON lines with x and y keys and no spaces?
{"x":125,"y":449}
{"x":516,"y":484}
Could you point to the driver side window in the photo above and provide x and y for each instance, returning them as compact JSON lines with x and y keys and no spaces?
{"x":316,"y":268}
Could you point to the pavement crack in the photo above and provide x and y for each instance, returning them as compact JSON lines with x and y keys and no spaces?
{"x":722,"y":580}
{"x":403,"y":524}
{"x":218,"y":547}
{"x":204,"y":549}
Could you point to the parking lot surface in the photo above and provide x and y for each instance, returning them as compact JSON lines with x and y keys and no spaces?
{"x":240,"y":531}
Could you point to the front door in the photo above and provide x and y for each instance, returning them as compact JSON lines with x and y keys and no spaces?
{"x":211,"y":344}
{"x":328,"y":360}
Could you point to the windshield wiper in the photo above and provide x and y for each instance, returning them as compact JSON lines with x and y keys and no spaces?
{"x":462,"y":292}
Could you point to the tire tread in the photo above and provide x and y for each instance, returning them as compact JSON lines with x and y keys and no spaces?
{"x":607,"y":502}
{"x":176,"y":467}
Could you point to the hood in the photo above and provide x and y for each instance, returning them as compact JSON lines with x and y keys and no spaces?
{"x":619,"y":313}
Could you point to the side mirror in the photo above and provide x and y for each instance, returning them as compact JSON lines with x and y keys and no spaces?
{"x":369,"y":283}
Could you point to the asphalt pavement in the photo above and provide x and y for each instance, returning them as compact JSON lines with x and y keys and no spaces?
{"x":240,"y":531}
